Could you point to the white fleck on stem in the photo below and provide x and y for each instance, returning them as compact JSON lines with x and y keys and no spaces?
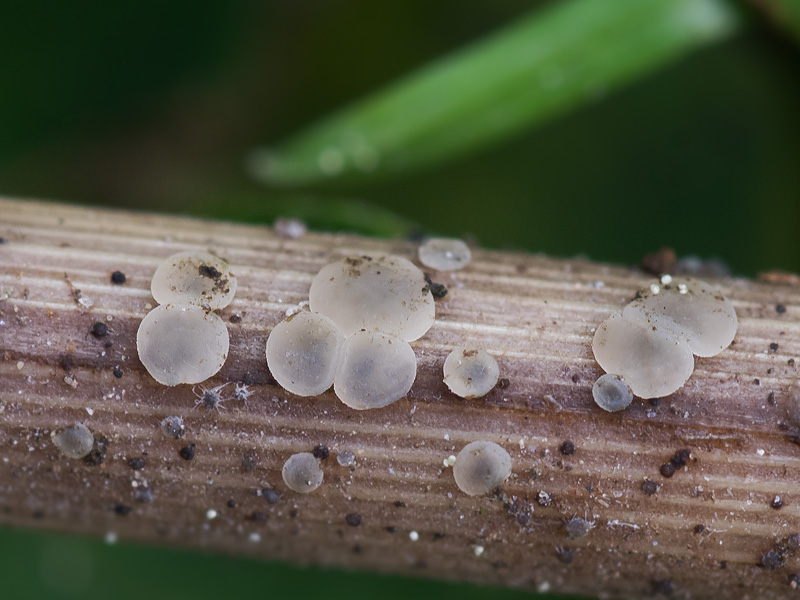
{"x":715,"y":521}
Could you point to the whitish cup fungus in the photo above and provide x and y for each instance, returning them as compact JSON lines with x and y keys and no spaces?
{"x":470,"y":373}
{"x":480,"y":467}
{"x":75,"y":441}
{"x":375,"y":370}
{"x":182,"y":344}
{"x":653,"y":361}
{"x":194,"y":278}
{"x":303,"y":352}
{"x":612,"y":393}
{"x":694,"y":311}
{"x":444,"y":254}
{"x":376,"y":293}
{"x":301,"y":473}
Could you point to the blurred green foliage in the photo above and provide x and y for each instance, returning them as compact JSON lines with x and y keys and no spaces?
{"x":153,"y":105}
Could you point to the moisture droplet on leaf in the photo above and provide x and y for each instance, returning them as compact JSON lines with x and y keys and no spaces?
{"x":301,"y":473}
{"x":652,"y":360}
{"x":480,"y":467}
{"x":691,"y":309}
{"x":182,"y":344}
{"x":379,"y":293}
{"x":75,"y":441}
{"x":470,"y":373}
{"x":612,"y":393}
{"x":303,"y":352}
{"x":444,"y":254}
{"x":376,"y":370}
{"x":194,"y":278}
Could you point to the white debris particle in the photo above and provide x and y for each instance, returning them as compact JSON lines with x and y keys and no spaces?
{"x":254,"y":537}
{"x":20,"y":364}
{"x":289,"y":228}
{"x":760,"y":452}
{"x":413,"y":536}
{"x":211,"y":514}
{"x":478,"y":550}
{"x":90,"y":411}
{"x":71,"y":381}
{"x":345,"y":458}
{"x":111,"y":538}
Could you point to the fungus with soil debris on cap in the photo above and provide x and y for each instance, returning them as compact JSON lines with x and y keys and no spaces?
{"x":301,"y":473}
{"x":691,"y":309}
{"x":194,"y":278}
{"x":303,"y":352}
{"x":653,"y":361}
{"x":480,"y":467}
{"x":470,"y":373}
{"x":182,"y":344}
{"x":376,"y":370}
{"x":378,"y":293}
{"x":444,"y":254}
{"x":75,"y":441}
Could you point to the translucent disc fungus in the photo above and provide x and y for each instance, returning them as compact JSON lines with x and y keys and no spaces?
{"x":612,"y":393}
{"x":182,"y":341}
{"x":377,"y":293}
{"x":470,"y":373}
{"x":653,"y":361}
{"x":194,"y":278}
{"x":376,"y":369}
{"x":182,"y":344}
{"x":444,"y":254}
{"x":75,"y":441}
{"x":301,"y":473}
{"x":692,"y":310}
{"x":480,"y":467}
{"x":650,"y":345}
{"x":303,"y":352}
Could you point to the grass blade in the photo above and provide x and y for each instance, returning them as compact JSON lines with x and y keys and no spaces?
{"x":534,"y":70}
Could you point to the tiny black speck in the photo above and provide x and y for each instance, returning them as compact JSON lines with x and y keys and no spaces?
{"x":187,"y":452}
{"x":99,"y":329}
{"x":663,"y":587}
{"x":777,"y":503}
{"x":649,"y":487}
{"x":681,"y":458}
{"x":137,"y":464}
{"x":399,"y":504}
{"x":122,"y":510}
{"x":699,"y":528}
{"x":780,"y":309}
{"x":503,"y":383}
{"x":231,"y":503}
{"x":117,"y":373}
{"x":321,"y":452}
{"x":566,"y":555}
{"x":3,"y":240}
{"x":667,"y":470}
{"x":353,"y":519}
{"x":773,"y":347}
{"x":118,"y":277}
{"x":567,"y":448}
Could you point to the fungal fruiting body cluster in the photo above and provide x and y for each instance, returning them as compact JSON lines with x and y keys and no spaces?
{"x":364,"y":312}
{"x":183,"y":340}
{"x":651,"y":344}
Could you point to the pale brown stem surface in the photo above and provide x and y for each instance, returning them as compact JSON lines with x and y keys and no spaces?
{"x":701,"y":534}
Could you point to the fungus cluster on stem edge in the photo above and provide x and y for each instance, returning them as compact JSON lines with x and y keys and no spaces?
{"x":651,"y":344}
{"x":182,"y":340}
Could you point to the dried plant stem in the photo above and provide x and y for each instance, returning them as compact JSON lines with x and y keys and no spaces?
{"x":703,"y":532}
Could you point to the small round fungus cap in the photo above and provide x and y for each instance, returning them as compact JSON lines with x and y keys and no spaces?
{"x":194,"y":278}
{"x":444,"y":254}
{"x":612,"y":393}
{"x":376,"y":370}
{"x":691,"y":309}
{"x":376,"y":293}
{"x":75,"y":441}
{"x":470,"y":373}
{"x":480,"y":467}
{"x":303,"y":352}
{"x":301,"y":473}
{"x":652,"y":360}
{"x":182,"y":344}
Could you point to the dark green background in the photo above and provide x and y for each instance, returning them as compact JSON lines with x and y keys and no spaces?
{"x":154,"y":105}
